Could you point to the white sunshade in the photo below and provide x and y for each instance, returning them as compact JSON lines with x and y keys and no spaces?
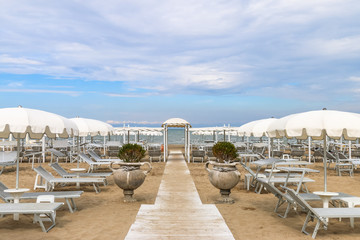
{"x":92,"y":127}
{"x":141,"y":130}
{"x":175,"y":122}
{"x":256,"y":128}
{"x":21,"y":121}
{"x":316,"y":124}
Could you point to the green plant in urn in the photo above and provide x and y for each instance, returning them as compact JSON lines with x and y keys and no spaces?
{"x":129,"y":176}
{"x":224,"y":175}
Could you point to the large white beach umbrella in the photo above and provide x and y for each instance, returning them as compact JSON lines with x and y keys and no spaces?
{"x":257,"y":128}
{"x":318,"y":125}
{"x":22,"y":121}
{"x":92,"y":127}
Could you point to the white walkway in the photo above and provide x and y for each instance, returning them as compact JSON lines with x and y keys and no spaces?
{"x":178,"y":212}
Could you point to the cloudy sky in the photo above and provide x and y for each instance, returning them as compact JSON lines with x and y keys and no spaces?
{"x":210,"y":62}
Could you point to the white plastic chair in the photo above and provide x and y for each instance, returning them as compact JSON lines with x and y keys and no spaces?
{"x":44,"y":199}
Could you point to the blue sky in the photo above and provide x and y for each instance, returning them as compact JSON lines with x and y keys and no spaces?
{"x":209,"y":62}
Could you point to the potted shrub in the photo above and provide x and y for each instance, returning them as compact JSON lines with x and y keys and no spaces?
{"x":129,"y":176}
{"x":224,"y":175}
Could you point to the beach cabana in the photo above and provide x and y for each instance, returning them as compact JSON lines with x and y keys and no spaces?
{"x":177,"y":123}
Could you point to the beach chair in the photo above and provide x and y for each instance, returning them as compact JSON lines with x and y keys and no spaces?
{"x":49,"y":209}
{"x":57,"y":154}
{"x":195,"y":154}
{"x":67,"y":195}
{"x":285,"y":198}
{"x":297,"y":153}
{"x":155,"y":154}
{"x":210,"y":155}
{"x":92,"y":164}
{"x":63,"y":173}
{"x":7,"y":159}
{"x":97,"y":158}
{"x":51,"y":181}
{"x":43,"y":217}
{"x":343,"y":164}
{"x":321,"y":214}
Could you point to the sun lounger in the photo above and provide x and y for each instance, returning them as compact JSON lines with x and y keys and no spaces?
{"x":97,"y":158}
{"x":7,"y":159}
{"x":274,"y":179}
{"x":57,"y":154}
{"x":321,"y":214}
{"x":36,"y":209}
{"x":285,"y":198}
{"x":51,"y":181}
{"x":92,"y":164}
{"x":66,"y":174}
{"x":67,"y":195}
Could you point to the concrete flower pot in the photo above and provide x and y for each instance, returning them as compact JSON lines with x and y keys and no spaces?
{"x":223,"y":176}
{"x":129,"y":177}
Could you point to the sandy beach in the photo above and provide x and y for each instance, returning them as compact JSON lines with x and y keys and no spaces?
{"x":105,"y":216}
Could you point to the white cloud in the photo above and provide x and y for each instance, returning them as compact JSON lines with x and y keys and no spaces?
{"x":354,"y":79}
{"x":71,"y":93}
{"x":6,"y":59}
{"x":191,"y":46}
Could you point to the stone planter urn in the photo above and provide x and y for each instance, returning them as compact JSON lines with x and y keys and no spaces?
{"x":129,"y":177}
{"x":223,"y":176}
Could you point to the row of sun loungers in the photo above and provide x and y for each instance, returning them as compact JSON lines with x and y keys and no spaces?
{"x":294,"y":198}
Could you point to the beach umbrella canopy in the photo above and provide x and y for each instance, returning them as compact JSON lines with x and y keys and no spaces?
{"x":256,"y":128}
{"x":92,"y":127}
{"x":22,"y":121}
{"x":317,"y":125}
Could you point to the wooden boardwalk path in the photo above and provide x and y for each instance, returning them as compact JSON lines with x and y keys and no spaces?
{"x":178,"y":212}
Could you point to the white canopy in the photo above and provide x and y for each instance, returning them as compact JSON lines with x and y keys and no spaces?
{"x":141,"y":130}
{"x":21,"y":121}
{"x":176,"y":122}
{"x":317,"y":124}
{"x":256,"y":128}
{"x":92,"y":127}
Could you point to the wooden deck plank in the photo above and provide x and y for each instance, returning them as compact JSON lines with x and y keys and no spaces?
{"x":178,"y":212}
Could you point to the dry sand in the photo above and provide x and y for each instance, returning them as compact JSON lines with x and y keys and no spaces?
{"x":105,"y":216}
{"x":252,"y":215}
{"x":99,"y":216}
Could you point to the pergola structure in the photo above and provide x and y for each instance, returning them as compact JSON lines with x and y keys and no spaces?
{"x":177,"y":123}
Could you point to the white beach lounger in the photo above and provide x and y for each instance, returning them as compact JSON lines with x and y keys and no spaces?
{"x":285,"y":198}
{"x":97,"y":158}
{"x":67,"y":195}
{"x":321,"y":214}
{"x":66,"y":174}
{"x":51,"y":181}
{"x":92,"y":164}
{"x":49,"y":209}
{"x":7,"y":159}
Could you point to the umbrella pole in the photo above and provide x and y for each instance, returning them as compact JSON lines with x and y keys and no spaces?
{"x":17,"y":162}
{"x":78,"y":151}
{"x":309,"y":149}
{"x":325,"y":148}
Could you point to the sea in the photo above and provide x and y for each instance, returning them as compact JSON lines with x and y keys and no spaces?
{"x":175,"y":136}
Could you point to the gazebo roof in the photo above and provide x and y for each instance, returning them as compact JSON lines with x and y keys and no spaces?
{"x":175,"y":122}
